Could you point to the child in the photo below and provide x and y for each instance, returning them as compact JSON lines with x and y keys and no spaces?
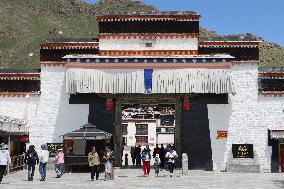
{"x":157,"y":162}
{"x":59,"y":162}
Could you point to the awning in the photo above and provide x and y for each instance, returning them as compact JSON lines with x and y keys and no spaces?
{"x":104,"y":81}
{"x":277,"y":132}
{"x":13,"y":125}
{"x":159,"y":81}
{"x":217,"y":81}
{"x":87,"y":132}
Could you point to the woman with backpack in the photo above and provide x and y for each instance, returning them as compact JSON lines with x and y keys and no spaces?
{"x":31,"y":159}
{"x":146,"y":159}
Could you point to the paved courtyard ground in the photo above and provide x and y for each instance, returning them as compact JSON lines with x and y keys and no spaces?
{"x":133,"y":179}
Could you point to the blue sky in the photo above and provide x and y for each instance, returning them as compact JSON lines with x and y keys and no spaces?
{"x":264,"y":18}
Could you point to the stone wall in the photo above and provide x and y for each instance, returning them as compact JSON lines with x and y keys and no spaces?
{"x":55,"y":115}
{"x":251,"y":116}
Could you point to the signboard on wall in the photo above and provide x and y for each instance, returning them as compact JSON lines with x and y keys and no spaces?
{"x":52,"y":147}
{"x":221,"y":134}
{"x":242,"y":150}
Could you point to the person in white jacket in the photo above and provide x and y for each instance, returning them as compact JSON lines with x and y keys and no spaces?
{"x":171,"y":155}
{"x":43,"y":156}
{"x":4,"y":160}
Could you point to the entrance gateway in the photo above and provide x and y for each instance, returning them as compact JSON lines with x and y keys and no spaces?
{"x":135,"y":66}
{"x":192,"y":134}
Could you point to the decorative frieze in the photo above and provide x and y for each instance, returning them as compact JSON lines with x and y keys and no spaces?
{"x":19,"y":76}
{"x":151,"y":16}
{"x":216,"y":44}
{"x":148,"y":36}
{"x":149,"y":59}
{"x":77,"y":45}
{"x":147,"y":52}
{"x":18,"y":94}
{"x":53,"y":63}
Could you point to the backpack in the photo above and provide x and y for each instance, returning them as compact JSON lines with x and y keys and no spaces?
{"x":31,"y":158}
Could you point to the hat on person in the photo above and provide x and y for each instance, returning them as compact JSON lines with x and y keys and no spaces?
{"x":44,"y":147}
{"x":31,"y":146}
{"x":2,"y":146}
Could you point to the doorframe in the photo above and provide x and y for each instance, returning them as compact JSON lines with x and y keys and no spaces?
{"x":281,"y":141}
{"x":147,"y":99}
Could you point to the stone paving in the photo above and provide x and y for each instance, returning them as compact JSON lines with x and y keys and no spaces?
{"x":132,"y":178}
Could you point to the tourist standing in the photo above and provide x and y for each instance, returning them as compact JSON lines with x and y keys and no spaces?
{"x":138,"y":155}
{"x":31,"y":159}
{"x":146,"y":158}
{"x":59,"y":162}
{"x":133,"y":155}
{"x":94,"y":163}
{"x":171,"y":155}
{"x":156,"y":150}
{"x":5,"y":160}
{"x":43,"y":155}
{"x":109,"y":157}
{"x":162,"y":156}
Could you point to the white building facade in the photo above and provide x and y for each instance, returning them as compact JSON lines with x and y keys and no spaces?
{"x":247,"y":119}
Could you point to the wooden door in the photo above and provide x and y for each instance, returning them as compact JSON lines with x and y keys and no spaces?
{"x":281,"y":157}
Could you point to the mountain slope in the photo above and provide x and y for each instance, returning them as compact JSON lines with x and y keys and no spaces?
{"x":25,"y":23}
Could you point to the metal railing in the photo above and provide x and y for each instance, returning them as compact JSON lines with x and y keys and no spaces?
{"x":17,"y":164}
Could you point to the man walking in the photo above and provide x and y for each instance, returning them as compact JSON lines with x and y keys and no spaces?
{"x":31,"y":159}
{"x":4,"y":160}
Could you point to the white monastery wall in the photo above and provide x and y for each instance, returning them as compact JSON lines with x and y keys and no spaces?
{"x":270,"y":113}
{"x":218,"y":115}
{"x":250,"y":118}
{"x":55,"y":116}
{"x":243,"y":123}
{"x":48,"y":115}
{"x":20,"y":107}
{"x":158,"y":44}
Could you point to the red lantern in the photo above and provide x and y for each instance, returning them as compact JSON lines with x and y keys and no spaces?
{"x":109,"y":105}
{"x":24,"y":138}
{"x":186,"y":105}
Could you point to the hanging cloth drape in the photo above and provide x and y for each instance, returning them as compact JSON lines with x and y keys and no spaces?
{"x":104,"y":81}
{"x":216,"y":81}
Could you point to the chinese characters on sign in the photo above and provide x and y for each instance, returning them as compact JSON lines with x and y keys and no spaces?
{"x":221,"y":134}
{"x":242,"y":150}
